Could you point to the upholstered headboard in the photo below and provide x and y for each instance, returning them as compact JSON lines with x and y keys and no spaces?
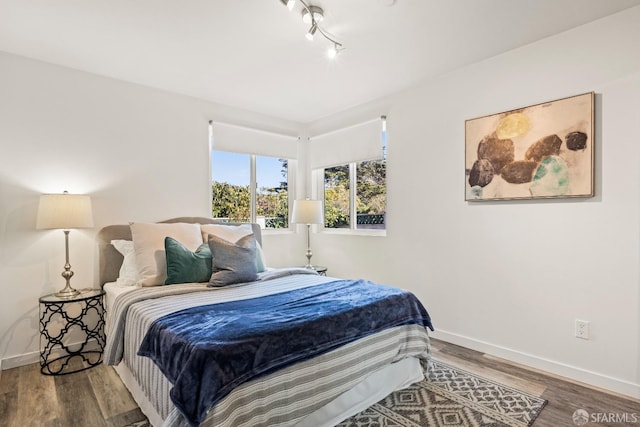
{"x":110,"y":260}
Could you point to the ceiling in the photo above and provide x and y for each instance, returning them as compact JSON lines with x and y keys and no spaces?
{"x":253,"y":54}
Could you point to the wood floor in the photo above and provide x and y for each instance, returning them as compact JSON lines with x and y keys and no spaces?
{"x":96,"y":397}
{"x":564,"y":397}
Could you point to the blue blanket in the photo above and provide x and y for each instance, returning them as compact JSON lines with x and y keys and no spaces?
{"x":206,"y":351}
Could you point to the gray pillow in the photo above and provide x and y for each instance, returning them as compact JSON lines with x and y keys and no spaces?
{"x":232,"y":262}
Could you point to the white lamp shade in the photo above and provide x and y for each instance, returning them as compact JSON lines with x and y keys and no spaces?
{"x":307,"y":212}
{"x":64,"y":211}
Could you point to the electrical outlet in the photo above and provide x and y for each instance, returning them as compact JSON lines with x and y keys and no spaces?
{"x":582,"y":329}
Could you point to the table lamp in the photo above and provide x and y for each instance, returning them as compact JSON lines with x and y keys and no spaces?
{"x":307,"y":212}
{"x":65,"y":211}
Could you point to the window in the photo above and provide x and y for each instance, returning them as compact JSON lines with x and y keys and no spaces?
{"x":370,"y":201}
{"x":234,"y":175}
{"x":371,"y":194}
{"x":355,"y":192}
{"x":272,"y":196}
{"x":337,"y":197}
{"x":252,"y":172}
{"x":231,"y":183}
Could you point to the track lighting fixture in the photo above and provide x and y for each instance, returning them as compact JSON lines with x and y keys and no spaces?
{"x":312,"y":31}
{"x":288,"y":3}
{"x":313,"y":15}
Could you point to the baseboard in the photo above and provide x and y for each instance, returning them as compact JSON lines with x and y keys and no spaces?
{"x":21,"y":360}
{"x":589,"y":378}
{"x":34,"y":356}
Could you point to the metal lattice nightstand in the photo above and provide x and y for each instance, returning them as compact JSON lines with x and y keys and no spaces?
{"x":320,"y":270}
{"x":72,"y":335}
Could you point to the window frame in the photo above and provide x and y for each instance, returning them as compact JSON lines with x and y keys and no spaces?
{"x":318,"y":179}
{"x":253,"y":187}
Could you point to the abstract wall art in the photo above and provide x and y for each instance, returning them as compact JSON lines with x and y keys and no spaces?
{"x":541,"y":151}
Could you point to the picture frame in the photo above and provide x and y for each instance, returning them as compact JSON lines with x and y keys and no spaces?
{"x":541,"y":151}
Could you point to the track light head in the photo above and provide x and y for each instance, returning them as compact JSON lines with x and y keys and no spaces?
{"x":334,"y":49}
{"x":312,"y":31}
{"x":289,"y":3}
{"x":332,"y":52}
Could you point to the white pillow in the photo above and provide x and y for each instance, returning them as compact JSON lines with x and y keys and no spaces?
{"x":148,"y":244}
{"x":230,"y":233}
{"x":233,"y":233}
{"x":128,"y":275}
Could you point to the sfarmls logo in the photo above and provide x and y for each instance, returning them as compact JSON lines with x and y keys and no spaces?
{"x":582,"y":417}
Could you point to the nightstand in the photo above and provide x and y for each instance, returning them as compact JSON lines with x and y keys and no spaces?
{"x":320,"y":270}
{"x":72,"y":335}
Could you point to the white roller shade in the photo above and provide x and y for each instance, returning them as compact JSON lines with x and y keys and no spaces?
{"x":240,"y":139}
{"x":352,"y":144}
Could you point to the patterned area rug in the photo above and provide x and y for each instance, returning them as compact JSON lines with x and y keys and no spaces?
{"x":451,"y":397}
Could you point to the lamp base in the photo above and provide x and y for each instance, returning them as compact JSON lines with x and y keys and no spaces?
{"x":309,"y":255}
{"x":67,"y":274}
{"x":67,"y":292}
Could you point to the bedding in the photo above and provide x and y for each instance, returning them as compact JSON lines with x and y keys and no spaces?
{"x":208,"y":350}
{"x":148,"y":244}
{"x":233,"y":262}
{"x":185,"y":266}
{"x":233,"y":233}
{"x":128,"y":274}
{"x":327,"y":379}
{"x":111,"y":292}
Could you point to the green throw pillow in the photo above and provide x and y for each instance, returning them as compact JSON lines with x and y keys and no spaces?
{"x":184,"y":266}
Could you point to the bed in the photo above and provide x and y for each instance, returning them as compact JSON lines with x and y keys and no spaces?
{"x":181,"y":375}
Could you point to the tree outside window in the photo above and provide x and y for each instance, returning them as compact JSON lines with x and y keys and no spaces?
{"x":337,"y":197}
{"x":272,"y":198}
{"x":232,"y":178}
{"x":369,"y":198}
{"x":371,"y":194}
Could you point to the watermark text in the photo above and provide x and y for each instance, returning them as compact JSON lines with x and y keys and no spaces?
{"x":582,"y":417}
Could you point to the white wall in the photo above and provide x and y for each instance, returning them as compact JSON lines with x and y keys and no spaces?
{"x":142,"y":154}
{"x":509,"y":278}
